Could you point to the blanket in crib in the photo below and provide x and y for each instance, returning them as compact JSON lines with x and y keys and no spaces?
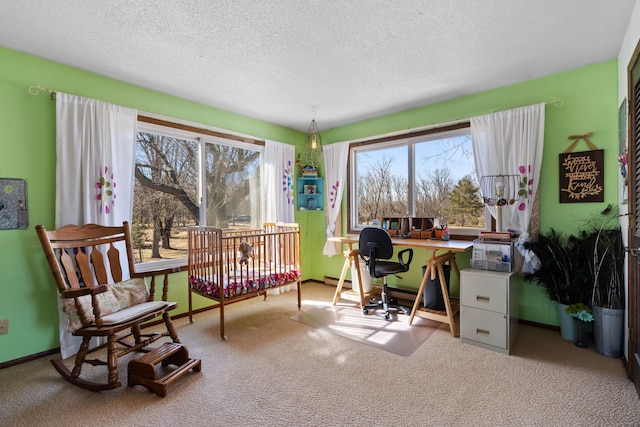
{"x":242,"y":281}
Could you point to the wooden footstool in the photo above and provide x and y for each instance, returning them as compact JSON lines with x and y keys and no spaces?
{"x":143,"y":370}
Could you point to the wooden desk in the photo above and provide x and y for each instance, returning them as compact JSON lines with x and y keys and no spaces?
{"x":434,"y":266}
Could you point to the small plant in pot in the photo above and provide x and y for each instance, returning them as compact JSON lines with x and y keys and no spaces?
{"x":582,"y":318}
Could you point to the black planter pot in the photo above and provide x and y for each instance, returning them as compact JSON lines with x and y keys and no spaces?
{"x":582,"y":330}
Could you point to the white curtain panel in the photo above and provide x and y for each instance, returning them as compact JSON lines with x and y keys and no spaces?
{"x":335,"y":166}
{"x":279,"y":188}
{"x":510,"y":143}
{"x":94,"y":171}
{"x":278,"y":182}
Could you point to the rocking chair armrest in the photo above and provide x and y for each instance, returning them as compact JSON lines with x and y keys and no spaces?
{"x":83,"y":311}
{"x":152,"y":273}
{"x":78,"y":292}
{"x":158,"y":272}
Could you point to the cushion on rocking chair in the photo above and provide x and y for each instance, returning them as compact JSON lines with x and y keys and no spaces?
{"x":133,"y":312}
{"x":118,"y":298}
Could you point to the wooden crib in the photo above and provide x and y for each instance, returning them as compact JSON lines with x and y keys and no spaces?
{"x":220,"y":267}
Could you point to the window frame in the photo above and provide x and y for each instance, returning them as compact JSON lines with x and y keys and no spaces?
{"x":408,"y":139}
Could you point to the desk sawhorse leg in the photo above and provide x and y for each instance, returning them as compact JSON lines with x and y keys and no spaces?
{"x":434,"y":266}
{"x":351,"y":258}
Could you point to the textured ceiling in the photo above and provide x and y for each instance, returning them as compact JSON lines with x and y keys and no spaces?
{"x":352,"y":60}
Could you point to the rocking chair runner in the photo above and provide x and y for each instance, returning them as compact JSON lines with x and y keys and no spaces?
{"x":99,"y":303}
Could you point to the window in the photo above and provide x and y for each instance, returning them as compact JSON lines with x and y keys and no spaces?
{"x":420,"y":174}
{"x":186,"y":177}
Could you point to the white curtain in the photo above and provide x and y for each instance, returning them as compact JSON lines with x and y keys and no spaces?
{"x":335,"y":166}
{"x":279,"y":187}
{"x":279,"y":182}
{"x":510,"y":143}
{"x":94,"y":171}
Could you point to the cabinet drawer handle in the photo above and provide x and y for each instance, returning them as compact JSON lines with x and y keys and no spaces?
{"x":481,"y":298}
{"x":483,"y":332}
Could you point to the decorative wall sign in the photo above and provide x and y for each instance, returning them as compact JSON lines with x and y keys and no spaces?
{"x":582,"y":177}
{"x":13,"y":204}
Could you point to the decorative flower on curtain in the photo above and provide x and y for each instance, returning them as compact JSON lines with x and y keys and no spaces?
{"x":526,"y":186}
{"x":105,"y":188}
{"x":287,"y":182}
{"x":333,"y":193}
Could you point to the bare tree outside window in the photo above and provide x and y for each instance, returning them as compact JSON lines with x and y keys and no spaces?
{"x":382,"y":189}
{"x":168,"y":186}
{"x":443,"y":185}
{"x":432,"y":194}
{"x":233,"y":186}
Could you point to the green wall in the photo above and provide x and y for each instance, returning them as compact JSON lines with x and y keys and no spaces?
{"x":590,"y":105}
{"x":27,"y":150}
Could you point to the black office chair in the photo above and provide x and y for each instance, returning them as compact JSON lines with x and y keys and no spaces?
{"x":375,"y":247}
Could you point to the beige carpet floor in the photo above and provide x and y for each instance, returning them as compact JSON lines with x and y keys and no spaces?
{"x":273,"y":371}
{"x":346,"y":320}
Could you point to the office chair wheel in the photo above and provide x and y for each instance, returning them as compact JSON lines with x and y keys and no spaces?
{"x":387,"y":316}
{"x":365,"y":311}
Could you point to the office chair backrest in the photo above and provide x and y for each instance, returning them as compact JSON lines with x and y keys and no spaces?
{"x":376,"y":239}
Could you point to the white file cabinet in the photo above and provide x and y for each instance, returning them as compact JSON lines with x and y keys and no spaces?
{"x":489,"y":309}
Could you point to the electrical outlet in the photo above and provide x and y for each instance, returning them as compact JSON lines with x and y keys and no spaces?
{"x":4,"y":326}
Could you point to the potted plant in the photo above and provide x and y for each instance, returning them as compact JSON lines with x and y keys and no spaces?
{"x":562,"y":273}
{"x":582,"y":318}
{"x":606,"y":275}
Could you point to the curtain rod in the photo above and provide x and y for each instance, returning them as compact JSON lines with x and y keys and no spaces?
{"x":556,"y":102}
{"x":458,"y":123}
{"x":35,"y":90}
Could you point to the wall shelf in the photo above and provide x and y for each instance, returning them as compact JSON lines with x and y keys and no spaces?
{"x":310,"y":194}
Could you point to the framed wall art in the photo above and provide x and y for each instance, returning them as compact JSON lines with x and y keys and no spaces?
{"x":582,"y":177}
{"x":13,"y":204}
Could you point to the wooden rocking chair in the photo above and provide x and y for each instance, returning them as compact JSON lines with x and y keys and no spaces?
{"x":99,"y":303}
